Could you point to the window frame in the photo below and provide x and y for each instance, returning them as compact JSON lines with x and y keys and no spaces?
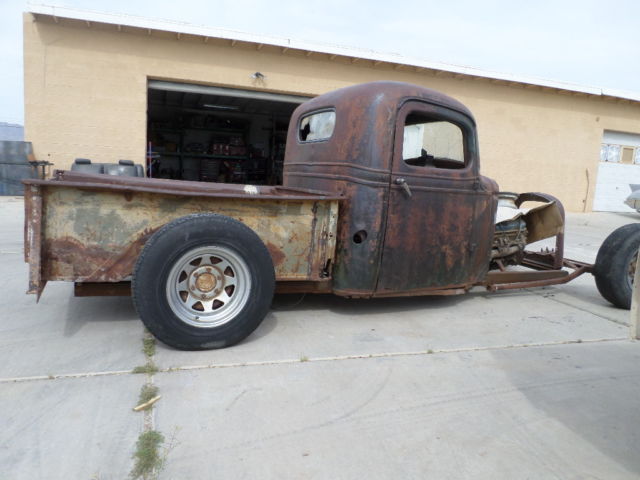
{"x":435,"y":129}
{"x":437,"y":113}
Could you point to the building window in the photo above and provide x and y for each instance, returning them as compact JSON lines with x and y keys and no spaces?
{"x":627,"y":155}
{"x":619,"y":154}
{"x":610,"y":153}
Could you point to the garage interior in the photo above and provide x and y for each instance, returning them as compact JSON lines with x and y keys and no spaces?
{"x":214,"y":134}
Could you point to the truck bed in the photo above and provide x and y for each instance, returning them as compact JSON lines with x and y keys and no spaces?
{"x":91,"y":228}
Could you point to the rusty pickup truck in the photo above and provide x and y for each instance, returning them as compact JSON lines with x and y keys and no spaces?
{"x":382,"y":197}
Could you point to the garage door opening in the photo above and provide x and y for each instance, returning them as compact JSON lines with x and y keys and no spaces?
{"x":214,"y":134}
{"x":618,"y":171}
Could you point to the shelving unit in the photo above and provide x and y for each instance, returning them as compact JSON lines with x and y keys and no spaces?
{"x":180,"y":137}
{"x":216,"y":138}
{"x":205,"y":155}
{"x":196,"y":129}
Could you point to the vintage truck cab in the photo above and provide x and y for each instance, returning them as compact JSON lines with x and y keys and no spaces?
{"x":382,"y":197}
{"x":417,"y":217}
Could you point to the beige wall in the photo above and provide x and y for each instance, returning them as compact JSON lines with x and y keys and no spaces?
{"x":86,"y":94}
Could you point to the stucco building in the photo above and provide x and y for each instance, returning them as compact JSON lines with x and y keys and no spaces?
{"x":204,"y":104}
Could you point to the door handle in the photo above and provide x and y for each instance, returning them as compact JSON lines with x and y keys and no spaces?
{"x":403,"y":183}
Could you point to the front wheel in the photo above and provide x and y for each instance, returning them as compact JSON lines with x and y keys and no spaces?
{"x":203,"y":281}
{"x":616,"y":265}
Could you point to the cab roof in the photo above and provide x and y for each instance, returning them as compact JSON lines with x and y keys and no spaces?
{"x":384,"y":94}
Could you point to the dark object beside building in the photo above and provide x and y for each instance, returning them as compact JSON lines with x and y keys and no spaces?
{"x":16,"y":164}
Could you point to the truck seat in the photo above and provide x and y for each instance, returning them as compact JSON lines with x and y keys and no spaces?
{"x":84,"y":165}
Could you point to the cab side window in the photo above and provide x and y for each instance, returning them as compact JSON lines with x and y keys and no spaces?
{"x":432,"y":142}
{"x":317,"y":126}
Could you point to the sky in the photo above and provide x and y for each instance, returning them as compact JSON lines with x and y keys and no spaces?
{"x":587,"y":42}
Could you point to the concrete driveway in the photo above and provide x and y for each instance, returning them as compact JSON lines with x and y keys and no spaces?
{"x":524,"y":384}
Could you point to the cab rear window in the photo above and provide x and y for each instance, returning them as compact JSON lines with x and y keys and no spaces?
{"x":317,"y":126}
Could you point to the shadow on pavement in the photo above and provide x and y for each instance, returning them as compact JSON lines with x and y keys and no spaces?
{"x":592,"y":390}
{"x":361,"y":306}
{"x":84,"y":310}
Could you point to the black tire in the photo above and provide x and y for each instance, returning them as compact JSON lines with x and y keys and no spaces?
{"x":231,"y":266}
{"x":615,"y":265}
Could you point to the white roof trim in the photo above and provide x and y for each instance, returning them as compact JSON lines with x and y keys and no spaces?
{"x":189,"y":29}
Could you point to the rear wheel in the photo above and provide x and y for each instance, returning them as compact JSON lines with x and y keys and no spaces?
{"x":203,"y":281}
{"x":616,"y":265}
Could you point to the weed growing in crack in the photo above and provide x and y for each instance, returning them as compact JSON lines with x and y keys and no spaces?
{"x":149,"y":346}
{"x":147,"y":392}
{"x":149,"y":368}
{"x":148,"y":455}
{"x":149,"y":461}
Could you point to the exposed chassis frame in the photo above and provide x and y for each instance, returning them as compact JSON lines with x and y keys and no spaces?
{"x":547,"y":266}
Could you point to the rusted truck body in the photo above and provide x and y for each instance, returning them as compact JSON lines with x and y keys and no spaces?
{"x":90,"y":229}
{"x":382,"y":197}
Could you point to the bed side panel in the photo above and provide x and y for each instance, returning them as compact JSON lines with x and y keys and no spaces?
{"x":97,"y":235}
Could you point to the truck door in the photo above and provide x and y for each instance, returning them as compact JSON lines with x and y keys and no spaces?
{"x":440,"y":217}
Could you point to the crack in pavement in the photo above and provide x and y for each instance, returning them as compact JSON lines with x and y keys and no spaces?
{"x":290,"y":361}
